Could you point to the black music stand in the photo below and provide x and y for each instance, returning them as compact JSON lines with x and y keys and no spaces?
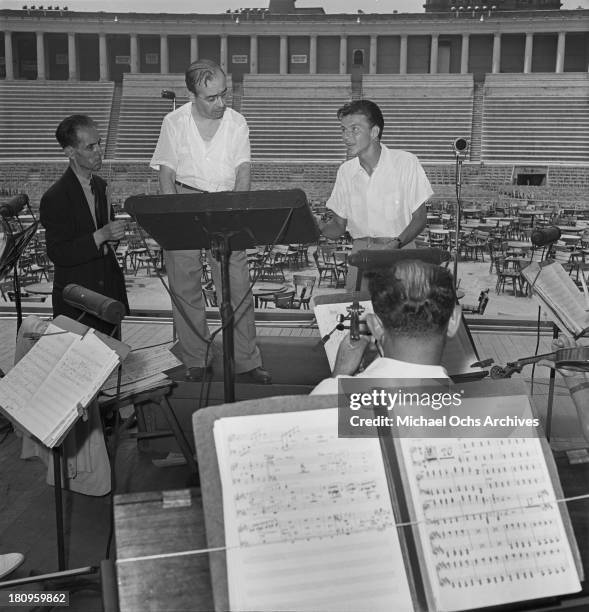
{"x":222,"y":222}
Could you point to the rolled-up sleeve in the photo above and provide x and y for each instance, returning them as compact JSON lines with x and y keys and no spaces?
{"x":340,"y":196}
{"x":419,"y":189}
{"x":241,"y":152}
{"x":165,"y":153}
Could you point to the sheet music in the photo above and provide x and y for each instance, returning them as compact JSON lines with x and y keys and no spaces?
{"x":142,"y":369}
{"x":559,"y":293}
{"x":510,"y":543}
{"x":61,"y":371}
{"x":308,"y":517}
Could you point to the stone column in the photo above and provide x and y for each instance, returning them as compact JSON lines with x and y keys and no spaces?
{"x":433,"y":55}
{"x":253,"y":54}
{"x":496,"y":54}
{"x":102,"y":57}
{"x":403,"y":55}
{"x":164,"y":61}
{"x":283,"y":55}
{"x":313,"y":54}
{"x":343,"y":52}
{"x":134,"y":54}
{"x":71,"y":57}
{"x":464,"y":54}
{"x":559,"y":52}
{"x":528,"y":53}
{"x":8,"y":56}
{"x":373,"y":56}
{"x":193,"y":48}
{"x":224,"y":52}
{"x":41,"y":74}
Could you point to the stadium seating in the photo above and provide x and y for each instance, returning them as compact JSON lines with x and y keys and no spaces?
{"x":143,"y":109}
{"x":293,"y":117}
{"x":31,"y":110}
{"x":536,"y":118}
{"x":423,"y":114}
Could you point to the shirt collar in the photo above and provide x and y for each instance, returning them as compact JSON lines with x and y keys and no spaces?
{"x":358,"y":167}
{"x":84,"y":181}
{"x":417,"y":370}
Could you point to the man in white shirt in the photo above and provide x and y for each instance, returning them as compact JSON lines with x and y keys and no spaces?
{"x":415,"y":311}
{"x":379,"y":195}
{"x":204,"y":147}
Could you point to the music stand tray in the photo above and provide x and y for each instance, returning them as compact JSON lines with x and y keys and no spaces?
{"x":225,"y":221}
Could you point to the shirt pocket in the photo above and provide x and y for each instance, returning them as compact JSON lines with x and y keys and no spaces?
{"x":393,"y":206}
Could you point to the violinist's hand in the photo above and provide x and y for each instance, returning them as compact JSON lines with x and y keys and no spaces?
{"x":349,"y":355}
{"x":563,"y":342}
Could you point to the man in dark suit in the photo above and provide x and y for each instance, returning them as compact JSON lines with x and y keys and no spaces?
{"x":79,"y":222}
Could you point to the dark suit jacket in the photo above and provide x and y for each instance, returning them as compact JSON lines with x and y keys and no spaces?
{"x":69,"y":226}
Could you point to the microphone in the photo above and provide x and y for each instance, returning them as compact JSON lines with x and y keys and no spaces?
{"x":460,"y":146}
{"x":14,"y":206}
{"x":546,"y":235}
{"x":93,"y":303}
{"x":386,"y":258}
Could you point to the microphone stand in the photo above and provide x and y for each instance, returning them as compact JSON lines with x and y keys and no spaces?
{"x":458,"y":182}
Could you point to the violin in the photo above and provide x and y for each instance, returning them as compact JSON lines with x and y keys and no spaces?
{"x":354,"y":312}
{"x":575,"y":359}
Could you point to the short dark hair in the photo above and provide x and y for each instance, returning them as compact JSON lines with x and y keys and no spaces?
{"x":367,"y":108}
{"x":67,"y":131}
{"x":200,"y":73}
{"x":413,"y":298}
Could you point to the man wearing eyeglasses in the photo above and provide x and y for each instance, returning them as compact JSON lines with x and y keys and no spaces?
{"x":81,"y":230}
{"x":379,"y":193}
{"x":204,"y":147}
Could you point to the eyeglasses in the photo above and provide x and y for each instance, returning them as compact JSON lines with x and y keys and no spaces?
{"x":214,"y":98}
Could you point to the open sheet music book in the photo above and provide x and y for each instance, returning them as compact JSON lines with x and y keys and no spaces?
{"x":50,"y":386}
{"x":313,"y":522}
{"x":143,"y":369}
{"x":560,"y":295}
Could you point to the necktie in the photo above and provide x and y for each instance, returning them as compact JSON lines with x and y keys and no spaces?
{"x":99,"y":207}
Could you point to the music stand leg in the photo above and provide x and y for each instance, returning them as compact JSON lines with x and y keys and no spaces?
{"x":221,"y":250}
{"x":550,"y":403}
{"x":58,"y":507}
{"x":17,"y":298}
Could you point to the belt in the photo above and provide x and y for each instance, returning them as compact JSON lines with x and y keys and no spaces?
{"x":189,"y":187}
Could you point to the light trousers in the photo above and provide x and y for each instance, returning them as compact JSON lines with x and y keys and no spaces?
{"x":184,"y":269}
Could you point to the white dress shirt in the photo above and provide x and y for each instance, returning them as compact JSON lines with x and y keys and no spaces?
{"x":209,"y":165}
{"x":380,"y":204}
{"x":384,"y":367}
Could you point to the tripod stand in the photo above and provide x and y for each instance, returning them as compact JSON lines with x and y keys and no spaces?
{"x":16,"y":239}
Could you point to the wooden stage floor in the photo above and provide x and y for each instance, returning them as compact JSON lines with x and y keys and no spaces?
{"x":26,"y":502}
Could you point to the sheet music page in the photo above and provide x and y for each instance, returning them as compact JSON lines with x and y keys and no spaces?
{"x":558,"y":291}
{"x":142,"y":369}
{"x":84,"y":368}
{"x":308,"y":517}
{"x":21,"y":382}
{"x":326,"y":315}
{"x":43,"y":390}
{"x":509,"y":543}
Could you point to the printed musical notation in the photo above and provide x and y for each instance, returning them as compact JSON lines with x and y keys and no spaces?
{"x":60,"y":373}
{"x":304,"y":479}
{"x":308,"y":517}
{"x":487,"y":518}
